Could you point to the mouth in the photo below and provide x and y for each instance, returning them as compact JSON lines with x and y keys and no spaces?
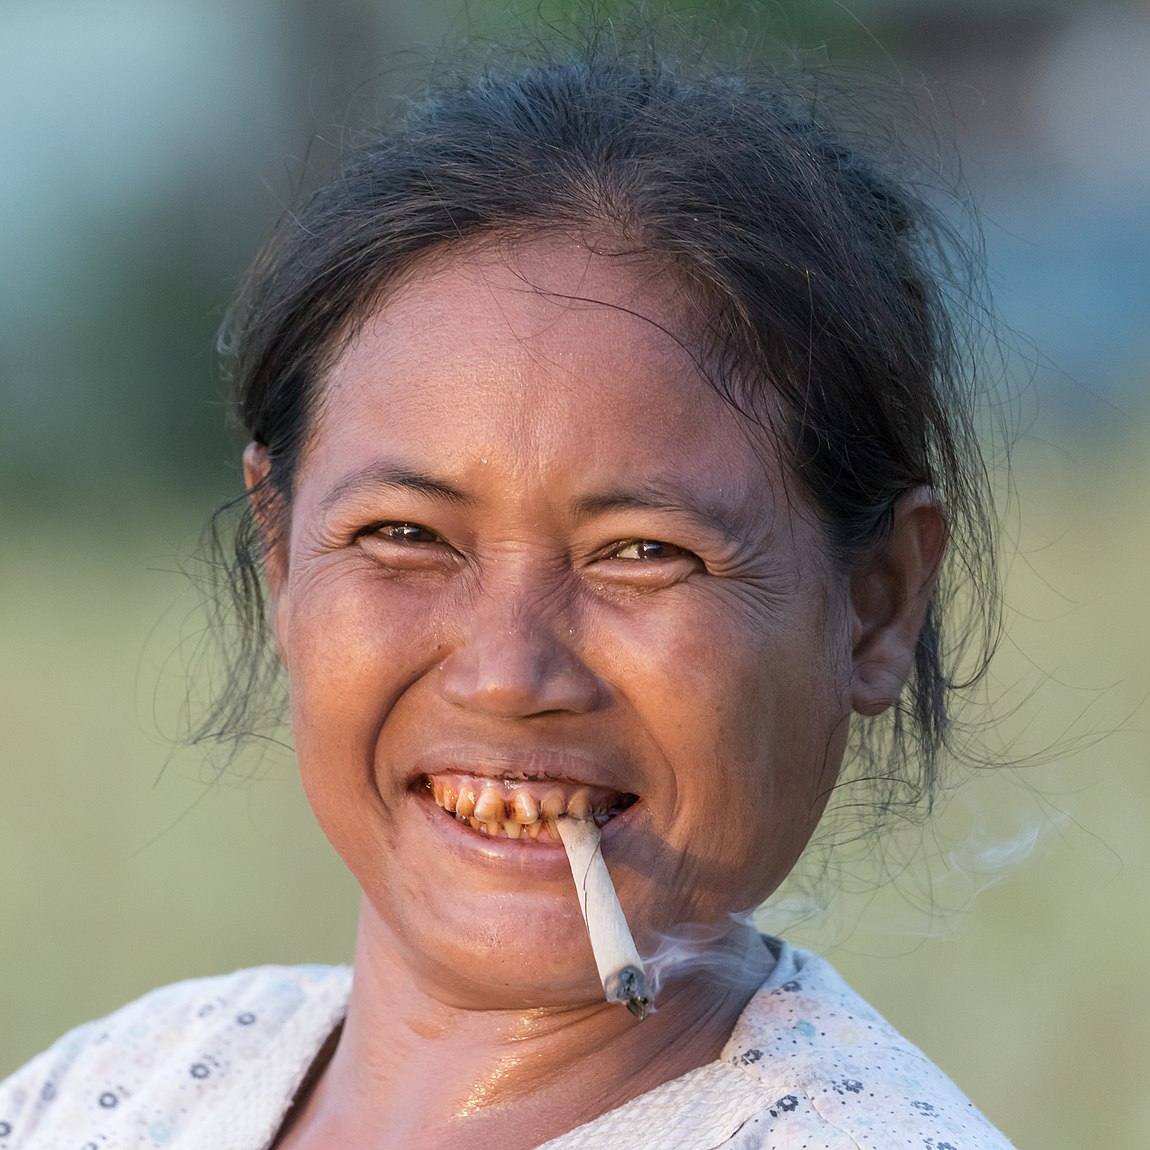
{"x":528,"y":810}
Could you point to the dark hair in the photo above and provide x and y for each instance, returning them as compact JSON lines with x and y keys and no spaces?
{"x":816,"y":276}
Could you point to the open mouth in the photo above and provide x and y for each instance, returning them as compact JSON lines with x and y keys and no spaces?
{"x":525,"y":809}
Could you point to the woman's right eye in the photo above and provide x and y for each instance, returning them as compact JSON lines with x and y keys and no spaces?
{"x":402,"y":533}
{"x":400,"y":545}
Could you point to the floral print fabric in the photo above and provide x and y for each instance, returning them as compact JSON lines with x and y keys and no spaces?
{"x":215,"y":1063}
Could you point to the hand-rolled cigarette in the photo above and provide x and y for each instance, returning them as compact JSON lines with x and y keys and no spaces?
{"x":620,"y":967}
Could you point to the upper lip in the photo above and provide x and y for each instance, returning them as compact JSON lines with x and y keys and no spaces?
{"x":549,"y":764}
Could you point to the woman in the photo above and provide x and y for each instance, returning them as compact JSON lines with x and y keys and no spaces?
{"x":607,"y":438}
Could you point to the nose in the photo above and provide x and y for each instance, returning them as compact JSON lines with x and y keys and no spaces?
{"x":515,"y":658}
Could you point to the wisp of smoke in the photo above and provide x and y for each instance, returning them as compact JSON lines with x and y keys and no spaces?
{"x":726,"y":950}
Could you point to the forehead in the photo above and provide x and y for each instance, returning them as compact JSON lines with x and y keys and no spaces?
{"x":529,"y":315}
{"x":543,"y":356}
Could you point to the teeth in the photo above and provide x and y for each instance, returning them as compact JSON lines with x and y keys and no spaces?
{"x":465,"y":804}
{"x":524,"y":808}
{"x":579,"y":805}
{"x":552,"y":805}
{"x":509,"y":808}
{"x":489,"y":806}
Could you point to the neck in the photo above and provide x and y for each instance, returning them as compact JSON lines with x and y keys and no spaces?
{"x":410,"y":1070}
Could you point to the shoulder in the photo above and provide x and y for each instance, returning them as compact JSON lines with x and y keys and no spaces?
{"x":132,"y":1076}
{"x":827,"y":1061}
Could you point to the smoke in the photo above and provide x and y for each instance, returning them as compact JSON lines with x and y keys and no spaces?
{"x":920,"y":881}
{"x":728,"y":951}
{"x":917,"y":884}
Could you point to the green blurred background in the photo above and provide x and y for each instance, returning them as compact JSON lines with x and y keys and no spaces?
{"x":147,"y":146}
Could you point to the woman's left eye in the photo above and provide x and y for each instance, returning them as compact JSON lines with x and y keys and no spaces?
{"x":649,"y":549}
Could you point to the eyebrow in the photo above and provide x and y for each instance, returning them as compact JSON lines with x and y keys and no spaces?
{"x":647,"y":497}
{"x":650,"y":497}
{"x":384,"y":475}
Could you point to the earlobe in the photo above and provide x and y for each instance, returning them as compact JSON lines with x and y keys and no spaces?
{"x":890,"y":594}
{"x":267,"y":510}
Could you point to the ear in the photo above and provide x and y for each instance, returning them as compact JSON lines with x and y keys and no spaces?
{"x":269,"y":514}
{"x":890,"y":593}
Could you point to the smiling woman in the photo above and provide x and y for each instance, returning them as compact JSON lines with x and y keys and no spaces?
{"x":522,"y":609}
{"x":607,"y":440}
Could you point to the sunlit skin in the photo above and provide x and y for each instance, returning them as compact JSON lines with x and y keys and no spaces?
{"x":526,"y":537}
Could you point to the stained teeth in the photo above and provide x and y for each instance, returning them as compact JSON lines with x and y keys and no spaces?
{"x":524,"y":808}
{"x":465,"y":804}
{"x":552,"y":805}
{"x":489,"y":806}
{"x":508,"y":808}
{"x":579,"y":805}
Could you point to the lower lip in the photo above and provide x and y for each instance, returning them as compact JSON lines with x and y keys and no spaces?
{"x":542,"y":857}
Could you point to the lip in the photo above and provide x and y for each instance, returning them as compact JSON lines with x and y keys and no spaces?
{"x":522,"y":763}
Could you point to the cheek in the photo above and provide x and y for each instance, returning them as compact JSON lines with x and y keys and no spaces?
{"x":749,"y":719}
{"x":352,"y":647}
{"x":753,"y":697}
{"x":345,"y":627}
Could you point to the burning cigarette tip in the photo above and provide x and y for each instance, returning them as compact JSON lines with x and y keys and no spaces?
{"x":630,"y":987}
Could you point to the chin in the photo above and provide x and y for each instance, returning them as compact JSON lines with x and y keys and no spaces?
{"x":501,"y":952}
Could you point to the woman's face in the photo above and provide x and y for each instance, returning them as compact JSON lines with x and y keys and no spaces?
{"x":535,"y":559}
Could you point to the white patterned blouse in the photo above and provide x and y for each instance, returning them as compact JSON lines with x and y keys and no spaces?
{"x":214,"y":1063}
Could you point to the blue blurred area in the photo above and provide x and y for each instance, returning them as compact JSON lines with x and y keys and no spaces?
{"x":1051,"y":102}
{"x":147,"y":146}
